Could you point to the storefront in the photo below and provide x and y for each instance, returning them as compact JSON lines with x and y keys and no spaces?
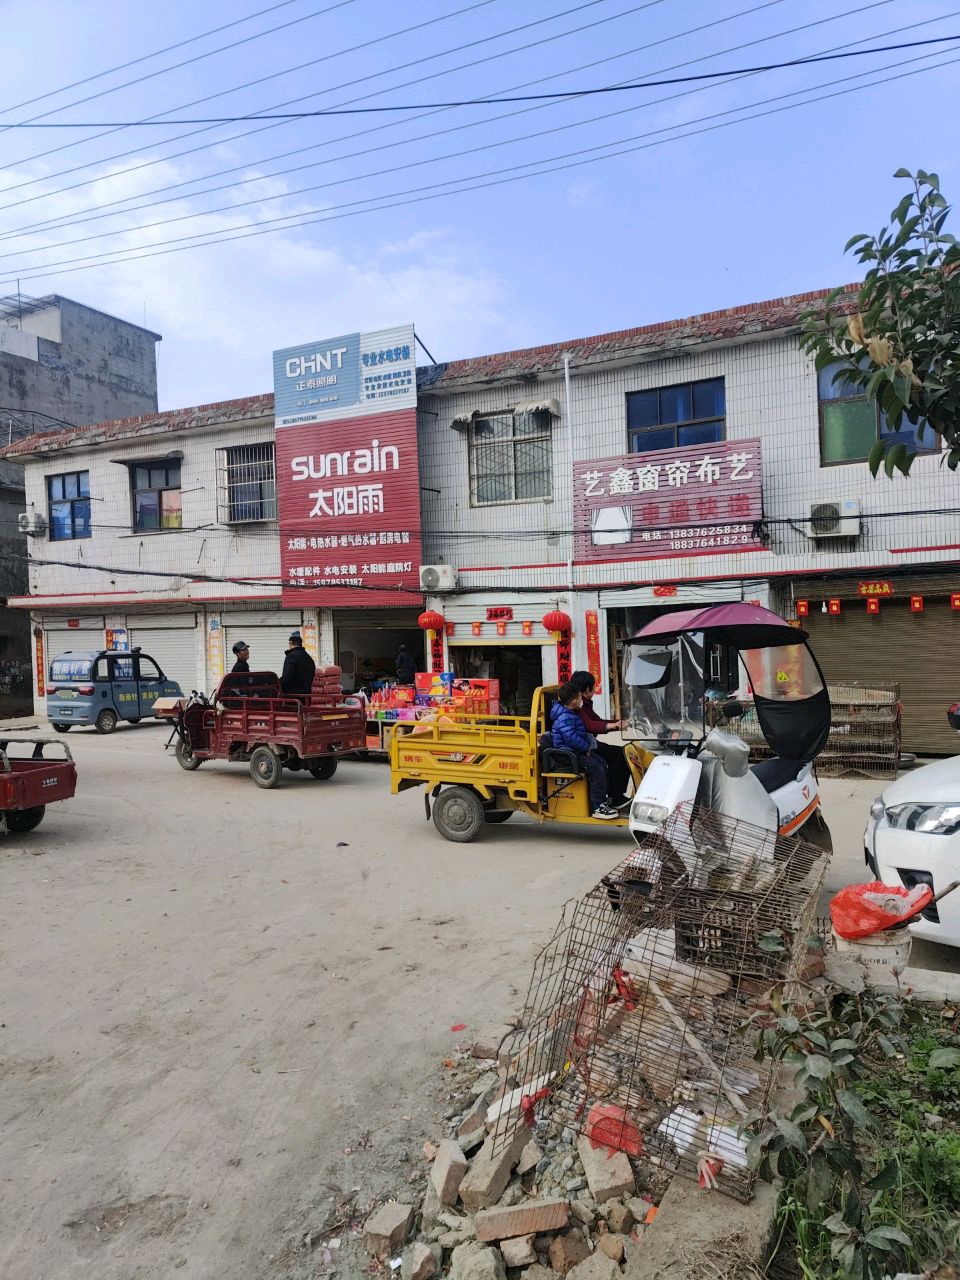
{"x":266,"y":633}
{"x":367,"y":641}
{"x":171,"y":640}
{"x":902,"y":630}
{"x":501,"y":636}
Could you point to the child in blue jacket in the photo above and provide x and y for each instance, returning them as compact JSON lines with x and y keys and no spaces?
{"x":570,"y":734}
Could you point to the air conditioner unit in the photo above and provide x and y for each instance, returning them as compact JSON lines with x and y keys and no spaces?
{"x":31,"y":522}
{"x":839,"y":518}
{"x":438,"y":577}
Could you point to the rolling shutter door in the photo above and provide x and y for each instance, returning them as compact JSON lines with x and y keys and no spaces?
{"x":58,"y":642}
{"x":174,"y":649}
{"x":267,"y":645}
{"x":920,"y":652}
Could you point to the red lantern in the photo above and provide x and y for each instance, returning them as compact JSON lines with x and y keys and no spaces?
{"x":955,"y":601}
{"x":873,"y":604}
{"x":833,"y":606}
{"x":451,"y":628}
{"x":501,"y":628}
{"x":916,"y":604}
{"x":430,"y":621}
{"x":803,"y":608}
{"x":556,"y":621}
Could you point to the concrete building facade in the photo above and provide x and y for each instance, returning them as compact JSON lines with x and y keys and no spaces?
{"x":694,"y":461}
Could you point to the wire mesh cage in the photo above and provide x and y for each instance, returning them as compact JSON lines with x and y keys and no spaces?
{"x":634,"y":1030}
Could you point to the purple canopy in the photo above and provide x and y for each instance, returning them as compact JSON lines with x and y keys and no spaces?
{"x":748,"y":626}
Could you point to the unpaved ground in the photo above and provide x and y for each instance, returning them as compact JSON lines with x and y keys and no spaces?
{"x":205,"y":1001}
{"x":218,"y":1021}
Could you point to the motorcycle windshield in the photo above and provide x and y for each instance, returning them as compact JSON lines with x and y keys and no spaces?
{"x":663,"y":689}
{"x":790,"y":698}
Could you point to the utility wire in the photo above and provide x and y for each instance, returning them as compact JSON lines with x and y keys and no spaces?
{"x":568,"y":94}
{"x":414,"y":164}
{"x":123,"y":66}
{"x":275,"y":75}
{"x":101,"y":210}
{"x":570,"y":160}
{"x":200,"y":57}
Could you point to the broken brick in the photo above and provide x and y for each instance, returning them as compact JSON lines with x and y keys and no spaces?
{"x":531,"y":1157}
{"x":620,"y":1219}
{"x":567,"y":1250}
{"x":449,"y":1166}
{"x":386,"y":1230}
{"x":529,"y":1218}
{"x":609,"y":1173}
{"x":518,"y":1252}
{"x":419,"y":1263}
{"x":612,"y":1245}
{"x":597,"y":1267}
{"x":488,"y":1175}
{"x":472,"y":1122}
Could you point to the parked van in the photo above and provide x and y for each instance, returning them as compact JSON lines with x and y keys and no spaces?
{"x":103,"y":686}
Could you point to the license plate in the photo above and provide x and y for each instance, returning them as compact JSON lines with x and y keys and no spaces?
{"x":68,"y":693}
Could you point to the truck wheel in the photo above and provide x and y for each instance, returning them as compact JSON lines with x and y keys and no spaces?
{"x":185,"y":757}
{"x":458,"y":814}
{"x":106,"y":721}
{"x":324,"y":769}
{"x":496,"y":816}
{"x":265,"y":767}
{"x":20,"y":820}
{"x":63,"y":728}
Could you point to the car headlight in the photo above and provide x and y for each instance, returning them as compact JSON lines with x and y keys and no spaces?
{"x":877,"y":809}
{"x":927,"y":819}
{"x":644,"y":811}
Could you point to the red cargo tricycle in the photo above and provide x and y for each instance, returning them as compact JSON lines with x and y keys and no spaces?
{"x":30,"y":780}
{"x":250,"y":718}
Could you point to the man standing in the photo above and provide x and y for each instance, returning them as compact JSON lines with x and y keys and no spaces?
{"x":241,"y":651}
{"x":406,"y":667}
{"x":298,"y":667}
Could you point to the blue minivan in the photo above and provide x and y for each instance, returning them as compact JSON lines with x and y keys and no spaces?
{"x":103,"y":686}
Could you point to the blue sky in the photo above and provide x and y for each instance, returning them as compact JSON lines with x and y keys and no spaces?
{"x":716,"y":218}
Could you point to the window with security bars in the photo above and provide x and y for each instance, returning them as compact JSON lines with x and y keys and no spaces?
{"x":511,"y":458}
{"x":246,"y":484}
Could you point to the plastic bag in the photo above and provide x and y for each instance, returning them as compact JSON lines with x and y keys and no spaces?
{"x":859,"y":910}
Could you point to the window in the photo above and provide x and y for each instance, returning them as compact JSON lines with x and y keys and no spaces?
{"x":123,"y":668}
{"x":850,"y":424}
{"x":69,"y":499}
{"x":511,"y":458}
{"x":156,"y":495}
{"x":100,"y":670}
{"x":246,"y":484}
{"x":149,"y":669}
{"x":668,"y":417}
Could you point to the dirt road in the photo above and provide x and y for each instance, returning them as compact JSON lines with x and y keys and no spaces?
{"x":223,"y":1008}
{"x":206,"y":998}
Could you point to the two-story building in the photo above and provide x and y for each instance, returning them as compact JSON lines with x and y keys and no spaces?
{"x":605,"y":479}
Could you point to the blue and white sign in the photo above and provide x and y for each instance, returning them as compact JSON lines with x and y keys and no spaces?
{"x":345,"y":377}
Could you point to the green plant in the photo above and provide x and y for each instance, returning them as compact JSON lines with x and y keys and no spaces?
{"x":901,"y":347}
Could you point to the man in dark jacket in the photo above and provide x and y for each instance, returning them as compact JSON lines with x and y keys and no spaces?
{"x":570,"y":734}
{"x":241,"y":651}
{"x":298,"y":667}
{"x":406,"y":666}
{"x":611,"y":755}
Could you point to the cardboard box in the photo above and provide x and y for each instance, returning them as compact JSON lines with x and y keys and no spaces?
{"x":436,"y":684}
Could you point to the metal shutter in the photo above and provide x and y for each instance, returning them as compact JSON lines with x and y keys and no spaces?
{"x":58,"y":642}
{"x":267,"y":645}
{"x":174,"y":649}
{"x":919,"y":651}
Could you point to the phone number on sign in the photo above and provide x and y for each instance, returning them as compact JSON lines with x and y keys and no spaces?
{"x":699,"y":539}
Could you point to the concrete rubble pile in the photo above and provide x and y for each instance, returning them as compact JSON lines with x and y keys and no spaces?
{"x":531,"y":1205}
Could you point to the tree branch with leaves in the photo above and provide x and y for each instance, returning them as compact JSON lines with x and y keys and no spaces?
{"x":901,"y":346}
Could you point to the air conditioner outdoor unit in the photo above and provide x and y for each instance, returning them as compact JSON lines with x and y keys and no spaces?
{"x":438,"y":577}
{"x":31,"y":522}
{"x":839,"y":518}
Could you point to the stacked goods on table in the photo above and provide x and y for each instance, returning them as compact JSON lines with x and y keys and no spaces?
{"x":326,"y":685}
{"x":438,"y":692}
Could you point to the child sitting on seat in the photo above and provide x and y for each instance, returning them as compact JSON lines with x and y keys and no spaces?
{"x":569,"y":734}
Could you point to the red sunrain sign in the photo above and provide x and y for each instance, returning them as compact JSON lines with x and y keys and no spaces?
{"x":348,"y":494}
{"x":696,"y":500}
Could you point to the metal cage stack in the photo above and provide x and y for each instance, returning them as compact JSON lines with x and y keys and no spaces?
{"x":635,"y":1031}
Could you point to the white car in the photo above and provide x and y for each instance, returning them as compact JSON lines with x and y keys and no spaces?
{"x":913,"y":837}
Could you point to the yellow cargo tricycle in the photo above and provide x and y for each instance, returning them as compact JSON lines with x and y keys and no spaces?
{"x":481,"y":769}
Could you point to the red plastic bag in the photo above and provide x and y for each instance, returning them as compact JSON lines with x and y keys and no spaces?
{"x":609,"y":1126}
{"x":854,"y":915}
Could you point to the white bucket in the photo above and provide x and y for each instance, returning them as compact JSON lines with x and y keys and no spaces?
{"x":880,"y":953}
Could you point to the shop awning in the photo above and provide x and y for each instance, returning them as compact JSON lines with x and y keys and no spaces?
{"x":549,"y":405}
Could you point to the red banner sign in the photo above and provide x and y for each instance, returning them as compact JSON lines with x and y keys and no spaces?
{"x":564,"y":657}
{"x":697,"y":500}
{"x":594,"y":665}
{"x":664,"y":592}
{"x":500,"y":613}
{"x":348,"y":494}
{"x":436,"y":650}
{"x":875,"y":588}
{"x":41,"y":672}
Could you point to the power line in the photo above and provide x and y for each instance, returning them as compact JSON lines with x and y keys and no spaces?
{"x":274,"y":75}
{"x":568,"y":95}
{"x":267,"y":226}
{"x":416,"y":164}
{"x":543,"y":40}
{"x":200,"y":57}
